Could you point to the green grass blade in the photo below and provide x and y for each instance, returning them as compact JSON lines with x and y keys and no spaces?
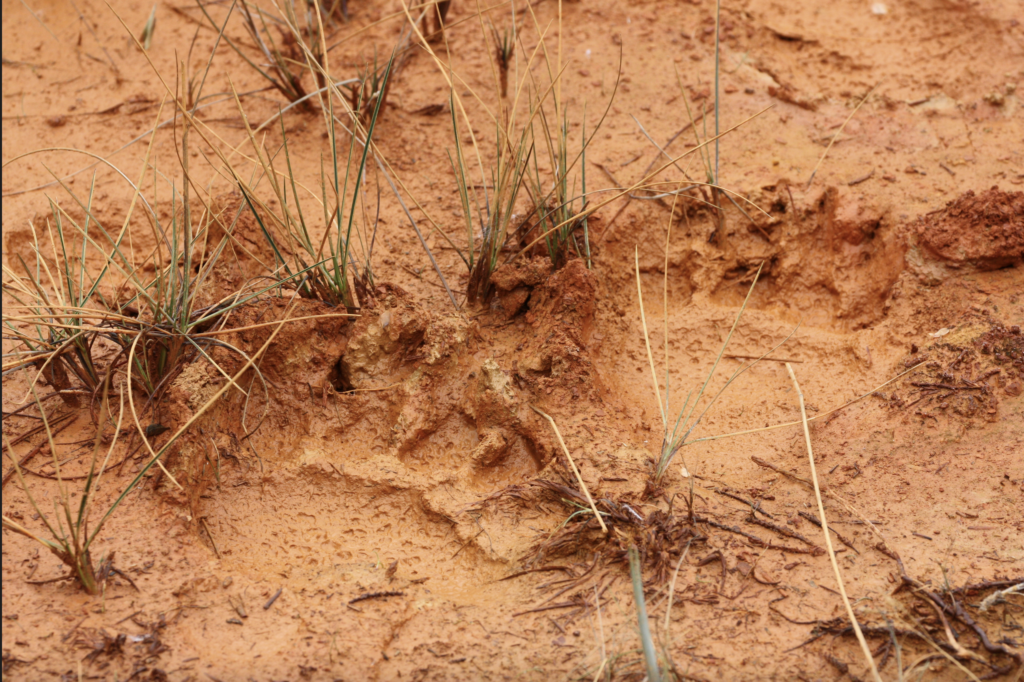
{"x":650,"y":657}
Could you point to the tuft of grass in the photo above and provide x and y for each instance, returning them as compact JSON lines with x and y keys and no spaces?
{"x":677,"y":432}
{"x":70,"y":535}
{"x":280,"y":60}
{"x":560,"y":200}
{"x":51,"y":295}
{"x":504,"y":50}
{"x":71,"y":529}
{"x":709,"y":162}
{"x":535,"y":123}
{"x":337,"y":267}
{"x":94,"y":315}
{"x":332,"y":272}
{"x":143,"y":315}
{"x":494,"y":210}
{"x":370,"y":88}
{"x":561,"y":210}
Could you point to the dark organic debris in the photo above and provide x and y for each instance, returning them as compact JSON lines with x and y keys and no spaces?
{"x":377,"y":595}
{"x":949,"y":609}
{"x":659,"y":536}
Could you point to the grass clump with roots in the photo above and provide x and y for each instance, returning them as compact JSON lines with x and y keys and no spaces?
{"x":525,"y":131}
{"x":94,"y":316}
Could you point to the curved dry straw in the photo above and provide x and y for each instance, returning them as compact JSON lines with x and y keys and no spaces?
{"x":575,"y":471}
{"x":828,"y":537}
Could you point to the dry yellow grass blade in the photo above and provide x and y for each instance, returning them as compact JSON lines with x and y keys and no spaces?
{"x":579,"y":478}
{"x":142,"y":431}
{"x":647,"y":340}
{"x":828,"y":538}
{"x":840,"y":132}
{"x":823,"y":415}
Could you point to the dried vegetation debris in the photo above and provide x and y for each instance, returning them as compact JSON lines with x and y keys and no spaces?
{"x":944,"y":619}
{"x":950,"y":619}
{"x":661,"y":536}
{"x":965,"y":373}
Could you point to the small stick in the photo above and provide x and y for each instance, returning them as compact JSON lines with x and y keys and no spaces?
{"x":758,"y":357}
{"x":129,"y":616}
{"x":579,"y":478}
{"x":35,"y":451}
{"x":768,"y":465}
{"x":117,"y":571}
{"x":824,"y":523}
{"x":814,"y":519}
{"x":35,"y":429}
{"x":610,"y":175}
{"x":782,"y":530}
{"x":754,"y":539}
{"x":270,"y":602}
{"x":755,"y":507}
{"x":202,"y":520}
{"x":376,"y":595}
{"x":863,"y":178}
{"x":610,"y":223}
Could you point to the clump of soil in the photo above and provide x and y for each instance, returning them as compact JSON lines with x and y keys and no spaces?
{"x":515,"y":281}
{"x":983,"y":230}
{"x":974,"y":232}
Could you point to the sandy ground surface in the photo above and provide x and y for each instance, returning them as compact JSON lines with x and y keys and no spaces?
{"x":418,"y":530}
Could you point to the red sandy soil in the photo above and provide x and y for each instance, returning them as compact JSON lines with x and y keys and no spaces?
{"x":905,"y":249}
